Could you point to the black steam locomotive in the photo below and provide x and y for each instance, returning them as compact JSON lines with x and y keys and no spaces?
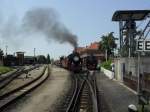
{"x":75,"y":62}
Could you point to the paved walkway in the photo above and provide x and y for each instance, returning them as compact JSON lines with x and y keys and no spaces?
{"x":117,"y":96}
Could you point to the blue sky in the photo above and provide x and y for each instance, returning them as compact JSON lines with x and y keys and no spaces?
{"x":88,"y":19}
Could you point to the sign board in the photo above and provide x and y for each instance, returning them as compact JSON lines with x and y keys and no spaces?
{"x":143,"y":45}
{"x":147,"y":45}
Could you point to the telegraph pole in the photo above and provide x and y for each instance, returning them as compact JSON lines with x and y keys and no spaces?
{"x":34,"y":55}
{"x":138,"y":88}
{"x":106,"y":55}
{"x":6,"y":49}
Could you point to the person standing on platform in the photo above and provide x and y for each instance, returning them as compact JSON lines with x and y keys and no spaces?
{"x":113,"y":69}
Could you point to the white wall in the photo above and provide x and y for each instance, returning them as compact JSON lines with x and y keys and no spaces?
{"x":108,"y":73}
{"x":131,"y":64}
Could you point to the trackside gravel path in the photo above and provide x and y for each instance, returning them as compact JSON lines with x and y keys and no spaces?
{"x":45,"y":97}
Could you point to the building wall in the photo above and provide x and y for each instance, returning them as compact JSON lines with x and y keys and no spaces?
{"x":129,"y":66}
{"x":20,"y":57}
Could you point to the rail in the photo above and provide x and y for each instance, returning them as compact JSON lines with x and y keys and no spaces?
{"x":85,"y":89}
{"x":12,"y":96}
{"x":6,"y":80}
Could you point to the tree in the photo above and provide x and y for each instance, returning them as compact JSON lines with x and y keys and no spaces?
{"x":48,"y":59}
{"x":1,"y":54}
{"x":41,"y":59}
{"x":107,"y":44}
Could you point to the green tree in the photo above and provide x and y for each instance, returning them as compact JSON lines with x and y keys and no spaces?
{"x":1,"y":54}
{"x":48,"y":59}
{"x":107,"y":44}
{"x":41,"y":59}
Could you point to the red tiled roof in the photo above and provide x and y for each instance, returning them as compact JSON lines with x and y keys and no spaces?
{"x":92,"y":48}
{"x":94,"y":45}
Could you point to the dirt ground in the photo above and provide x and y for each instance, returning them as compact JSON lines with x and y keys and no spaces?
{"x":21,"y":80}
{"x":45,"y":97}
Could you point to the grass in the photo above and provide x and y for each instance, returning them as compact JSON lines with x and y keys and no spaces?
{"x":107,"y":64}
{"x":4,"y":69}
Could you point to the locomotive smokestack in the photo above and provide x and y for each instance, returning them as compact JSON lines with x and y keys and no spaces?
{"x":75,"y":49}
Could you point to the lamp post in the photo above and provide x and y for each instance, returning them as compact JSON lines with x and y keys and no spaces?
{"x":6,"y":49}
{"x":106,"y":56}
{"x":138,"y":86}
{"x":34,"y":55}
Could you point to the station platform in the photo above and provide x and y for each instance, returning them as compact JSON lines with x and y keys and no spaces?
{"x":117,"y":96}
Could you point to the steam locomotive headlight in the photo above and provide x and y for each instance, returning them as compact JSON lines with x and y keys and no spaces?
{"x":76,"y":58}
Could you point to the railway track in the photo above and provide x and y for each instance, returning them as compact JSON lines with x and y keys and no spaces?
{"x":83,"y":96}
{"x":5,"y":80}
{"x":17,"y":93}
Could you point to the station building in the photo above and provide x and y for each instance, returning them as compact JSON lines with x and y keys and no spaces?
{"x":93,"y":48}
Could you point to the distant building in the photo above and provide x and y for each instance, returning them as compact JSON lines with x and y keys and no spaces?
{"x":20,"y":56}
{"x":10,"y":60}
{"x":93,"y":48}
{"x":80,"y":49}
{"x":29,"y":59}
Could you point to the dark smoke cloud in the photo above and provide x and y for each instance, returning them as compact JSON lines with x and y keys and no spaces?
{"x":47,"y":22}
{"x":9,"y":31}
{"x":39,"y":20}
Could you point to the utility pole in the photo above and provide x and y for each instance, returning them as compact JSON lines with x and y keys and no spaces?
{"x":6,"y":49}
{"x":138,"y":88}
{"x":139,"y":81}
{"x":106,"y":55}
{"x":34,"y":55}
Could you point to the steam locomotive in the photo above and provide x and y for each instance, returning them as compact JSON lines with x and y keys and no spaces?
{"x":74,"y":62}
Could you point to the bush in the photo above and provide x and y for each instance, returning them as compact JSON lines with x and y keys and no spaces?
{"x":107,"y":64}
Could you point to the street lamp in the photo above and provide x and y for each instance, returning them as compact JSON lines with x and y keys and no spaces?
{"x":34,"y":55}
{"x":6,"y":49}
